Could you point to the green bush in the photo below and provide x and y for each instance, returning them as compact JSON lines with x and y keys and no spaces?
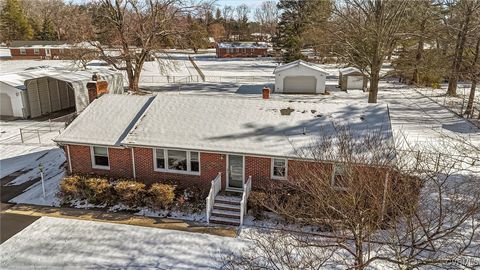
{"x":160,"y":196}
{"x":71,"y":187}
{"x":131,"y":193}
{"x":98,"y":191}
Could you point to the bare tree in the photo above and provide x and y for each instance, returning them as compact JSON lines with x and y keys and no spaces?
{"x":379,"y":204}
{"x":130,"y":32}
{"x":464,"y":12}
{"x":267,"y":16}
{"x":366,"y":33}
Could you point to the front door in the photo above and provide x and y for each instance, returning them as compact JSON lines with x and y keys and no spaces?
{"x":235,"y":171}
{"x":47,"y":53}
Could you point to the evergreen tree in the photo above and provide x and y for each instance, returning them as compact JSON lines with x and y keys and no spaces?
{"x":47,"y":32}
{"x":14,"y":24}
{"x":296,"y":19}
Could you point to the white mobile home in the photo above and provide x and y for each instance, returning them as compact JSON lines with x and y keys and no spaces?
{"x":300,"y":77}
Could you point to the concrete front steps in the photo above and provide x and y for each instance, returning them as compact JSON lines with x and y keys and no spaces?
{"x":226,"y":210}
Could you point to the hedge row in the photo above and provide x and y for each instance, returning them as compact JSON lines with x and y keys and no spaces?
{"x":97,"y":190}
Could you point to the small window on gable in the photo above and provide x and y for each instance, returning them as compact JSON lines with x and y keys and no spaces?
{"x":100,"y":157}
{"x":339,"y":177}
{"x":279,"y":168}
{"x":23,"y":51}
{"x":160,"y":159}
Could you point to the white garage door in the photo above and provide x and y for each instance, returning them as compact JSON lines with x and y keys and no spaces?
{"x":299,"y":84}
{"x":354,"y":82}
{"x":5,"y":105}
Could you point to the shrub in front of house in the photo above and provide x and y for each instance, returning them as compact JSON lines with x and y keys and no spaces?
{"x":160,"y":196}
{"x":256,"y":202}
{"x":71,"y":187}
{"x":98,"y":191}
{"x":130,"y":193}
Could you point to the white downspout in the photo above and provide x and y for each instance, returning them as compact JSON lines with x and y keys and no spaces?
{"x":69,"y":160}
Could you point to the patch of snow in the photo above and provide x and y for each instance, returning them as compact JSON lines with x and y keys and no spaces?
{"x":57,"y":243}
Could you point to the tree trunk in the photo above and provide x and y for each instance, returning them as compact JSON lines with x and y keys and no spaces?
{"x":457,"y":60}
{"x":372,"y":94}
{"x":471,"y":97}
{"x":419,"y":56}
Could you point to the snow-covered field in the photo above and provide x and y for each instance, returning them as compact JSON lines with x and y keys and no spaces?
{"x":55,"y":243}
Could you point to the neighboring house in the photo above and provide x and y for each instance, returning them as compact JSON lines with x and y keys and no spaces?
{"x":212,"y":143}
{"x":352,"y":78}
{"x":38,"y":49}
{"x":36,"y":93}
{"x":241,"y":49}
{"x":300,"y":77}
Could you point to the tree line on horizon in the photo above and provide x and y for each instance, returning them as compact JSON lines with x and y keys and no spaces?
{"x":427,"y":42}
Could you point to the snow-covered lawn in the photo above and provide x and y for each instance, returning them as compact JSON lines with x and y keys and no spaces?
{"x":214,"y":67}
{"x":56,"y":243}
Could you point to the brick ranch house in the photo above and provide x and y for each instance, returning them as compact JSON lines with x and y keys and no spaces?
{"x":219,"y":144}
{"x":38,"y":49}
{"x":241,"y":49}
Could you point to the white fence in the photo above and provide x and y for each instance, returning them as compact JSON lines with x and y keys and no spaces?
{"x":214,"y":189}
{"x":247,"y":187}
{"x":160,"y":80}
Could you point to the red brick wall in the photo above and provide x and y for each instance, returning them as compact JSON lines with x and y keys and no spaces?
{"x":210,"y":165}
{"x":120,"y":161}
{"x":30,"y":53}
{"x":260,"y":170}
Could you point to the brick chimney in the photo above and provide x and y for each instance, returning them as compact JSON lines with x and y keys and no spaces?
{"x":96,"y":89}
{"x":266,"y":92}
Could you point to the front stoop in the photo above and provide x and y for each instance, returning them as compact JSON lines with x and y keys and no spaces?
{"x":226,"y":210}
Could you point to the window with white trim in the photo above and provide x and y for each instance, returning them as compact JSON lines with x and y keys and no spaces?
{"x":160,"y":159}
{"x":100,"y":157}
{"x":279,"y":168}
{"x":175,"y":161}
{"x":194,"y":161}
{"x":23,"y":51}
{"x":339,"y":179}
{"x":36,"y":51}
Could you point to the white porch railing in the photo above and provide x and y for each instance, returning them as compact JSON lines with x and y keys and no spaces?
{"x":246,"y":192}
{"x":214,"y":189}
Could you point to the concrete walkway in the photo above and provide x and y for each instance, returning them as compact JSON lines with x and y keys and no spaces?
{"x":120,"y":218}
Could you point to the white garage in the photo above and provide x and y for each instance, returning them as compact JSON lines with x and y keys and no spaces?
{"x":352,"y":78}
{"x":300,"y":77}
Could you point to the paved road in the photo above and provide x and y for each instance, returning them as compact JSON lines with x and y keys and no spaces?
{"x":11,"y":224}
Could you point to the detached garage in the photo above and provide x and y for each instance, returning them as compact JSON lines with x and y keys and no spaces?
{"x":59,"y":91}
{"x":352,"y":78}
{"x":300,"y":77}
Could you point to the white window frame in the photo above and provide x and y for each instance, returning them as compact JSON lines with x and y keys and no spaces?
{"x":276,"y":177}
{"x":36,"y":51}
{"x":23,"y":51}
{"x":92,"y":158}
{"x":332,"y":181}
{"x":167,"y":170}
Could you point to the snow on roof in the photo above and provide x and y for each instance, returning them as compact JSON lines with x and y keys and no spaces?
{"x":249,"y":126}
{"x":106,"y":120}
{"x":17,"y":80}
{"x":349,"y":70}
{"x":260,"y":45}
{"x":299,"y":63}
